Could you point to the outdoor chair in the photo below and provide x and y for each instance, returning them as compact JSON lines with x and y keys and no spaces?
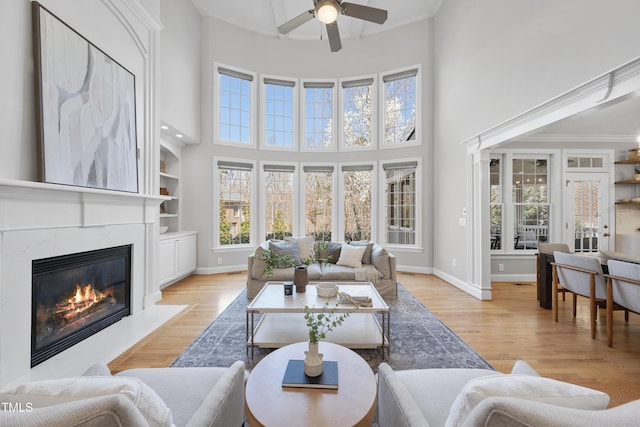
{"x":580,"y":275}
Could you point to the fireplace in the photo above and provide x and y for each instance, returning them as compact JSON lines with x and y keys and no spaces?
{"x":75,"y":296}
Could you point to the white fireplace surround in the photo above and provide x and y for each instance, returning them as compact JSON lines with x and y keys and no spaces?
{"x":43,"y":220}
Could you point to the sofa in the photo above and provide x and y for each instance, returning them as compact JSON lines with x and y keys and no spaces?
{"x":480,"y":397}
{"x":361,"y":261}
{"x":135,"y":397}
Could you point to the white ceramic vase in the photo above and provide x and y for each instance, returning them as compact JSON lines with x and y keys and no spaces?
{"x":313,"y":361}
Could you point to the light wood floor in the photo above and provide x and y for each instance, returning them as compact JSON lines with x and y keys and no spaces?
{"x":510,"y":327}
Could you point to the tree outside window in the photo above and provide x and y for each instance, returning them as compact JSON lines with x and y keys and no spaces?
{"x":234,"y":223}
{"x":357,"y":183}
{"x":278,"y":199}
{"x":357,"y":113}
{"x":318,"y":185}
{"x":400,"y":106}
{"x":318,"y":115}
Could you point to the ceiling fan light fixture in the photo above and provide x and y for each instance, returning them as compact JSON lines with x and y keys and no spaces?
{"x":327,"y":11}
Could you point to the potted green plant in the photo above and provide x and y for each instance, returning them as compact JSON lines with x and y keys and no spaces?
{"x":319,"y":324}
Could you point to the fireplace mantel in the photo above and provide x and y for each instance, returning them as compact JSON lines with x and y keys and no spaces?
{"x":26,"y":206}
{"x":39,"y":220}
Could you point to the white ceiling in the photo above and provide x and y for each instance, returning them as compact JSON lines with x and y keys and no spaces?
{"x":616,"y":121}
{"x":264,"y":16}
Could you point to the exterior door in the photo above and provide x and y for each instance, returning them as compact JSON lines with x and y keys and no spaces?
{"x":586,"y":214}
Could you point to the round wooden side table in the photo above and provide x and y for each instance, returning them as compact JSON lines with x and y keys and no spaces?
{"x":270,"y":404}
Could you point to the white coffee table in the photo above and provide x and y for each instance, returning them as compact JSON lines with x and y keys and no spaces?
{"x":283,"y":323}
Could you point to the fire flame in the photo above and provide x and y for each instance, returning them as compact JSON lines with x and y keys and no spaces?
{"x":81,"y":301}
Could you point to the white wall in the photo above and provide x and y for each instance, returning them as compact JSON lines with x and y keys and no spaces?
{"x":180,"y":66}
{"x":65,"y":219}
{"x":497,"y":58}
{"x":230,"y":45}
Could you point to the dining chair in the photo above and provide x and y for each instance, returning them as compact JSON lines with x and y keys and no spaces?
{"x":623,"y":291}
{"x":580,"y":275}
{"x":550,"y":248}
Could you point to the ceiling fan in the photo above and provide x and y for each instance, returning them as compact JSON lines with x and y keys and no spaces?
{"x":327,"y":12}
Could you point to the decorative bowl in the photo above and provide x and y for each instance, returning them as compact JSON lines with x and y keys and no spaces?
{"x":327,"y":289}
{"x":164,"y":229}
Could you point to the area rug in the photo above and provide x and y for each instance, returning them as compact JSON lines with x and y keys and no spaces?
{"x":418,"y":340}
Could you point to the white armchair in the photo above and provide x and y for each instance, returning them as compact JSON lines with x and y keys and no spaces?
{"x":480,"y":397}
{"x":192,"y":397}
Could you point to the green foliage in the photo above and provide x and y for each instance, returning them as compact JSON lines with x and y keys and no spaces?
{"x":276,"y":260}
{"x":225,"y":225}
{"x":322,"y":322}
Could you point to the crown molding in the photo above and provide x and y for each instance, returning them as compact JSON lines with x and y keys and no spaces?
{"x":616,"y":84}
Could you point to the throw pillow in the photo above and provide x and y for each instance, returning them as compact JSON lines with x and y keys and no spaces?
{"x":380,"y":260}
{"x":329,"y":251}
{"x":305,"y":246}
{"x":351,"y":256}
{"x":290,"y":250}
{"x":366,"y":257}
{"x":540,"y":389}
{"x":54,"y":392}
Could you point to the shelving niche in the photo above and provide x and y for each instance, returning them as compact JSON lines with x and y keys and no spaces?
{"x":170,"y":181}
{"x":628,"y":208}
{"x":177,"y":248}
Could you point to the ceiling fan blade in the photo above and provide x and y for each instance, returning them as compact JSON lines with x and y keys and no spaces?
{"x":296,"y":22}
{"x":368,"y":13}
{"x":334,"y":36}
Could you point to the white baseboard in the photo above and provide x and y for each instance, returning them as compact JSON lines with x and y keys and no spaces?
{"x":223,"y":269}
{"x":470,"y":288}
{"x":413,"y":269}
{"x":513,"y":277}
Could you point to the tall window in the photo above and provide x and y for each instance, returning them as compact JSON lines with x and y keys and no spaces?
{"x":400,"y":202}
{"x":234,"y":202}
{"x":495,"y":203}
{"x":279,"y":107}
{"x":278,"y":200}
{"x":357,"y":191}
{"x":530,"y":199}
{"x":318,"y":115}
{"x":234,"y":106}
{"x":357,"y":113}
{"x":400,"y":107}
{"x":318,"y":201}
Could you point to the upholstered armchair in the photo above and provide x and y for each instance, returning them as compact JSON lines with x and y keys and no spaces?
{"x":580,"y":275}
{"x":623,"y":291}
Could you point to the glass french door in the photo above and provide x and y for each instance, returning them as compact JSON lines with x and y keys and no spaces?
{"x":586,"y":213}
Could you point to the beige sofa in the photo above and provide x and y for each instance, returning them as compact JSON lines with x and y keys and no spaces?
{"x":160,"y":397}
{"x":377,"y":266}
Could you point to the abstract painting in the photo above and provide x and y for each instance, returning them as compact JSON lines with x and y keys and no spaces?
{"x":86,"y":111}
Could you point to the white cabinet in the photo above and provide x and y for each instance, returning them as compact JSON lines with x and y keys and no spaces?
{"x":177,"y":253}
